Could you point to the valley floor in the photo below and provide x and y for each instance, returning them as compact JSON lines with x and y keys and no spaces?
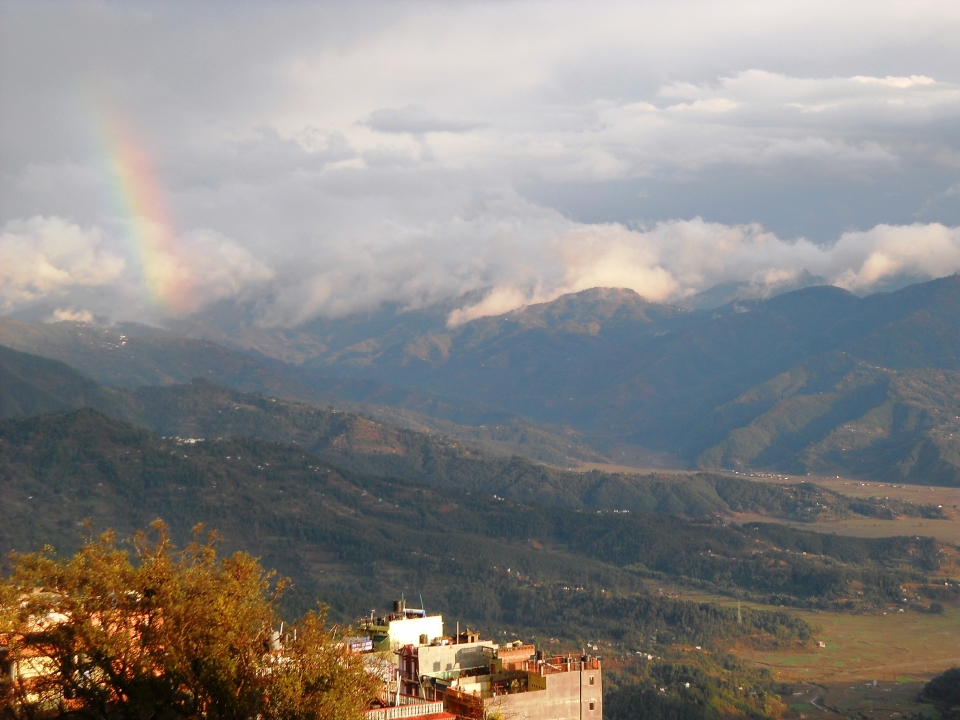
{"x":897,"y":651}
{"x":890,"y":647}
{"x":943,"y":530}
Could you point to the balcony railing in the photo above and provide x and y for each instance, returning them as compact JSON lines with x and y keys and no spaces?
{"x":407,"y":710}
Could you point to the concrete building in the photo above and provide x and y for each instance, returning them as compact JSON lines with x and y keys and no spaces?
{"x":532,"y":688}
{"x":481,"y":680}
{"x":403,"y":626}
{"x":428,"y":670}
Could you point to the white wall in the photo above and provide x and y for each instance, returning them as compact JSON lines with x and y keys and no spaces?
{"x":408,"y":631}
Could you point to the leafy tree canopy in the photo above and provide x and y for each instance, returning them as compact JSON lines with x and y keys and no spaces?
{"x":146,"y":630}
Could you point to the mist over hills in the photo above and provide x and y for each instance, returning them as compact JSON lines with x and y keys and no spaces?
{"x":787,"y":383}
{"x":128,"y":356}
{"x":817,"y":380}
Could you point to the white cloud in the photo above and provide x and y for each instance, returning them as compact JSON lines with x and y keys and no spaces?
{"x":499,"y":300}
{"x":897,"y":82}
{"x":885,"y":251}
{"x":219,"y":268}
{"x":47,"y":257}
{"x":328,"y":157}
{"x":68,"y":315}
{"x":713,"y":105}
{"x":512,"y":251}
{"x":676,"y":259}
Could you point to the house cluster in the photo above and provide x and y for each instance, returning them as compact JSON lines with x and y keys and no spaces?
{"x":432,"y":676}
{"x":424,"y":673}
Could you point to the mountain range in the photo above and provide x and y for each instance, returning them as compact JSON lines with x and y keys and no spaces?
{"x":812,"y":381}
{"x":201,"y":411}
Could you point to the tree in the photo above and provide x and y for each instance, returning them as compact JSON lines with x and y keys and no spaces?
{"x":943,"y":690}
{"x":165,"y":633}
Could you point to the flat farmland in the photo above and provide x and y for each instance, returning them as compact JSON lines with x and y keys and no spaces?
{"x":949,"y":497}
{"x":882,"y":645}
{"x":872,"y":664}
{"x":944,"y":530}
{"x":883,"y":701}
{"x":894,"y":647}
{"x":875,"y":664}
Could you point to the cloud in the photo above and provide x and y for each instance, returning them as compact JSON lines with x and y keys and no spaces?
{"x":897,"y":82}
{"x":46,"y":257}
{"x":327,"y":157}
{"x":885,"y":252}
{"x":674,"y":260}
{"x":219,"y":268}
{"x":414,"y":119}
{"x":68,"y":315}
{"x":508,"y":250}
{"x":49,"y":259}
{"x":499,"y":300}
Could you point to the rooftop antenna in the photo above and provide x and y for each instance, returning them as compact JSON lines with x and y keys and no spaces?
{"x":421,"y":605}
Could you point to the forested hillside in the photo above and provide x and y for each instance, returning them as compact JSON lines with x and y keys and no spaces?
{"x":202,"y":409}
{"x":351,"y":538}
{"x":30,"y":384}
{"x":817,"y":380}
{"x":148,"y":357}
{"x":813,"y":381}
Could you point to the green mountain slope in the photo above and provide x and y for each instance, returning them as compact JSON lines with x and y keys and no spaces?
{"x":363,"y":444}
{"x":354,"y":539}
{"x":766,"y":383}
{"x":134,"y":355}
{"x":30,"y":384}
{"x":842,"y":414}
{"x":792,"y":383}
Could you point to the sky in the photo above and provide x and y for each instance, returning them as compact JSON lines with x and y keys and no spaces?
{"x":317,"y":159}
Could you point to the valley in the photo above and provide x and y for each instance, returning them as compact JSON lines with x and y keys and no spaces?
{"x":798,"y":496}
{"x":479,"y":360}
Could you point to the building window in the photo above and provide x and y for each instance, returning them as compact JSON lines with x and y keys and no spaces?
{"x":592,"y":679}
{"x":591,"y":704}
{"x":436,"y":667}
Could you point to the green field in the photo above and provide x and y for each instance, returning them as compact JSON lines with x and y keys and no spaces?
{"x":899,"y":651}
{"x":867,"y":647}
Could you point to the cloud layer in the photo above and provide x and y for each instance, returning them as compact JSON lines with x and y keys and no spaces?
{"x":321,"y":159}
{"x":47,"y":258}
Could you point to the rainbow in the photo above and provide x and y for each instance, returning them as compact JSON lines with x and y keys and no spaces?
{"x":138,"y":198}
